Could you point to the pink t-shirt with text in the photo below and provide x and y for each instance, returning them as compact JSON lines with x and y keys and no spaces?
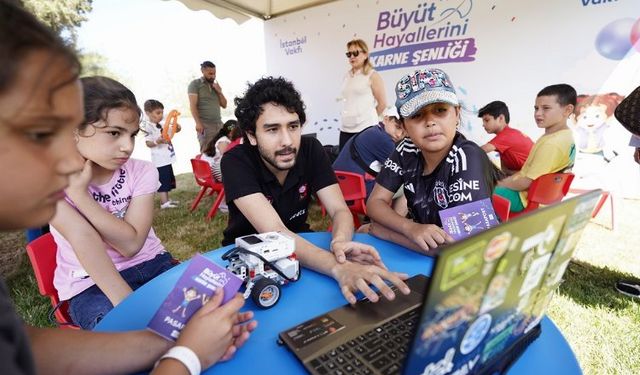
{"x":134,"y":178}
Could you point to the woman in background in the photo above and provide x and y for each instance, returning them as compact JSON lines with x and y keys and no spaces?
{"x":362,"y":92}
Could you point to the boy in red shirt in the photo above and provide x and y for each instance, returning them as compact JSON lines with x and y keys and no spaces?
{"x":512,"y":145}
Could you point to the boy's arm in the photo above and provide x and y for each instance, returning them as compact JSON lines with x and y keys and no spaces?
{"x":540,"y":161}
{"x":516,"y":182}
{"x":342,"y":233}
{"x":390,"y":225}
{"x":65,"y":351}
{"x":352,"y":277}
{"x":90,"y":250}
{"x":387,"y":234}
{"x":488,"y":147}
{"x":62,"y":351}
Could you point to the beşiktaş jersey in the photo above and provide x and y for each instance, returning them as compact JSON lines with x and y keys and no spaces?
{"x":457,"y":180}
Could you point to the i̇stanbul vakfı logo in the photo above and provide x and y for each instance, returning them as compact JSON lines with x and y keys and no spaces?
{"x":432,"y":33}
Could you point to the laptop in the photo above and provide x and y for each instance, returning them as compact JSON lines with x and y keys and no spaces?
{"x":477,"y":313}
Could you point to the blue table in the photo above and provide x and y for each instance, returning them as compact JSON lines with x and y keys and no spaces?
{"x":315,"y":294}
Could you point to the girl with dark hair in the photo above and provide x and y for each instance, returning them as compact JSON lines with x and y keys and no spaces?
{"x":217,"y":146}
{"x":40,"y":108}
{"x":109,"y":203}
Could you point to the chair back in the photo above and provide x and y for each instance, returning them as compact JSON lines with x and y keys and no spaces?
{"x":352,"y":185}
{"x":548,"y":189}
{"x":501,"y":206}
{"x":202,"y":172}
{"x":42,"y":254}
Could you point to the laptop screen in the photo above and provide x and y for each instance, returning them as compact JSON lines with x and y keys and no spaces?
{"x":491,"y":289}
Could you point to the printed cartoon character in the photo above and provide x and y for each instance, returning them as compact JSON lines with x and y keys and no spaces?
{"x":190,"y":294}
{"x":591,"y":119}
{"x":449,"y":319}
{"x":467,"y":223}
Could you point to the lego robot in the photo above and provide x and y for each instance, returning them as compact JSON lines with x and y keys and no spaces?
{"x":265,"y":262}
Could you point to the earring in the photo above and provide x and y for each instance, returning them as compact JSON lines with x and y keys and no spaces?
{"x":458,"y":125}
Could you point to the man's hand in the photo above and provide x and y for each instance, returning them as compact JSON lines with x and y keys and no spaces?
{"x":427,"y":236}
{"x":356,"y":252}
{"x":636,"y":155}
{"x":199,"y":127}
{"x":353,"y":277}
{"x":216,"y":87}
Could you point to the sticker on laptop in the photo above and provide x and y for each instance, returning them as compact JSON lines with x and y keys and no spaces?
{"x":524,"y":302}
{"x":313,"y":330}
{"x":462,"y":265}
{"x":551,"y":235}
{"x":571,"y":242}
{"x":496,"y":291}
{"x":527,"y":259}
{"x":497,"y":247}
{"x":535,"y":273}
{"x":475,"y":334}
{"x":446,"y":365}
{"x":449,"y":318}
{"x":497,"y":343}
{"x":553,"y":279}
{"x":532,"y":241}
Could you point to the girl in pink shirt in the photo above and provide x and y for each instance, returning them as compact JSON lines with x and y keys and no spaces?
{"x":106,"y":246}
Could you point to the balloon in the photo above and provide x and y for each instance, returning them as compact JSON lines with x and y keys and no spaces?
{"x":613,"y":41}
{"x":635,"y":35}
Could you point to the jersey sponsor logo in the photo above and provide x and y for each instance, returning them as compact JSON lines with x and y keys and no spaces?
{"x":458,"y":159}
{"x":458,"y":191}
{"x":298,"y":214}
{"x":464,"y":185}
{"x":393,"y":167}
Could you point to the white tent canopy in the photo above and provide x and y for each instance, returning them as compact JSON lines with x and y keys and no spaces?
{"x":242,"y":10}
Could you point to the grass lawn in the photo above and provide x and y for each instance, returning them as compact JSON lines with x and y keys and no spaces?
{"x":601,"y":325}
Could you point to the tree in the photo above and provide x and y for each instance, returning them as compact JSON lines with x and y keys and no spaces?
{"x":95,"y":64}
{"x":62,"y":16}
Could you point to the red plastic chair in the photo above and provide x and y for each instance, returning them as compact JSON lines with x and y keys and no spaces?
{"x":42,"y":254}
{"x":354,"y":192}
{"x":501,"y":206}
{"x":545,"y":190}
{"x":202,"y":174}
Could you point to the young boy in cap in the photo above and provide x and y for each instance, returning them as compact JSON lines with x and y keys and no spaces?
{"x":437,"y":166}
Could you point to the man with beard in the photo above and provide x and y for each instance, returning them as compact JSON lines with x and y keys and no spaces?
{"x":205,"y":100}
{"x":269,"y":181}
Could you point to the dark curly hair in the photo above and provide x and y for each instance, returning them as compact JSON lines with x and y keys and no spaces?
{"x":267,"y":90}
{"x":20,"y":34}
{"x":102,"y":94}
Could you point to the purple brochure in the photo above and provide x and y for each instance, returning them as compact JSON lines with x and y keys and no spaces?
{"x":467,"y":219}
{"x":194,"y":288}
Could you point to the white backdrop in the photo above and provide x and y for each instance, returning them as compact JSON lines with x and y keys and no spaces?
{"x":512,"y":49}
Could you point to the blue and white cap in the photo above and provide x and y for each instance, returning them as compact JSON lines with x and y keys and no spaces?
{"x":424,"y":87}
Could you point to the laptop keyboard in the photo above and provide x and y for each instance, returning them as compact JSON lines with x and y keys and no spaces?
{"x":380,"y":350}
